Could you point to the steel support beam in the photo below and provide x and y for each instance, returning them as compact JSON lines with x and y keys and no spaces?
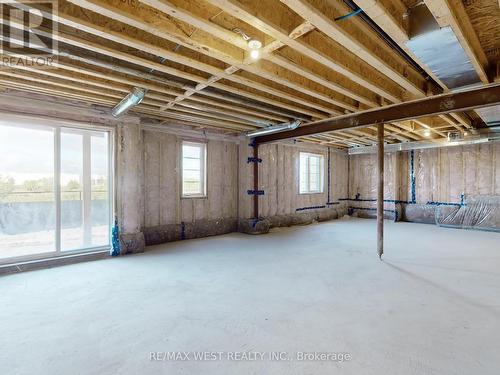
{"x":483,"y":96}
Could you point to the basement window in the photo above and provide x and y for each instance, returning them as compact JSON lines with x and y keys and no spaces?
{"x":311,"y":174}
{"x":193,"y":169}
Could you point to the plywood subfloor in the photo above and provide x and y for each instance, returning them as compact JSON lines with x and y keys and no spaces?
{"x":432,"y":307}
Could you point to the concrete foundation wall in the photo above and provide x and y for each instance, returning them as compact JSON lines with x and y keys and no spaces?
{"x":443,"y":178}
{"x":445,"y":174}
{"x":160,"y":214}
{"x":129,"y":187}
{"x":169,"y":217}
{"x":279,"y":179}
{"x":453,"y":186}
{"x":147,"y":169}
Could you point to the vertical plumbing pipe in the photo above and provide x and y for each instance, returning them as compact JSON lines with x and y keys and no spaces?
{"x":256,"y":182}
{"x":380,"y":190}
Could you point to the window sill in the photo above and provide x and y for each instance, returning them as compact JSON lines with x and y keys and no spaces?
{"x":312,"y":193}
{"x":194,"y":197}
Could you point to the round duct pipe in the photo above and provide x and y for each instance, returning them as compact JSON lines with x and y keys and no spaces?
{"x":274,"y":129}
{"x":131,"y":100}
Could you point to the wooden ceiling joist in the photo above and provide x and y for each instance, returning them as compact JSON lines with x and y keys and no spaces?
{"x":234,"y":60}
{"x":104,"y":50}
{"x":191,"y":57}
{"x":484,"y":96}
{"x":334,"y":31}
{"x":181,"y":97}
{"x":122,"y":89}
{"x":182,"y":14}
{"x":248,"y":15}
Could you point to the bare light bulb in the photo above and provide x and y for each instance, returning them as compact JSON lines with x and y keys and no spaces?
{"x":427,"y":133}
{"x":254,"y":44}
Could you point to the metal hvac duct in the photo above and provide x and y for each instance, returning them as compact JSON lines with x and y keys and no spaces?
{"x":489,"y":135}
{"x":274,"y":129}
{"x":439,"y":49}
{"x":490,"y":115}
{"x":131,"y":100}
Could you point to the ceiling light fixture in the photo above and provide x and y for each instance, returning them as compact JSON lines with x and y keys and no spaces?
{"x":427,"y":133}
{"x":254,"y":45}
{"x":254,"y":54}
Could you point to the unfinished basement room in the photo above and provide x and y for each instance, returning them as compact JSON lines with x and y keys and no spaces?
{"x":282,"y":187}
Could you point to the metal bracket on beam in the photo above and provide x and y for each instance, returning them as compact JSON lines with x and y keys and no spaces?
{"x":253,"y":160}
{"x":255,"y":192}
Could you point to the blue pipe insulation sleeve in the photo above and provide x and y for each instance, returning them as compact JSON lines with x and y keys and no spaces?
{"x":115,"y":239}
{"x":308,"y":208}
{"x":349,"y":15}
{"x":373,"y":200}
{"x":431,"y":203}
{"x":183,"y":230}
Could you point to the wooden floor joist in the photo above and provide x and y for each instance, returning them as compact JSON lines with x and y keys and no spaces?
{"x":193,"y":59}
{"x":451,"y":102}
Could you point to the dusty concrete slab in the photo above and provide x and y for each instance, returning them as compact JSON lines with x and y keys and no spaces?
{"x":431,"y":307}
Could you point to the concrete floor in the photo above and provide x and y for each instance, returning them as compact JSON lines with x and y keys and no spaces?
{"x":431,"y":307}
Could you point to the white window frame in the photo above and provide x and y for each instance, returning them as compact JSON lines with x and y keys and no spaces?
{"x":321,"y":167}
{"x":203,"y":169}
{"x":56,"y":126}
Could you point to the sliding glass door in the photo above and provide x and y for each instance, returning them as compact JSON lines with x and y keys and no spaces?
{"x":84,"y":189}
{"x":27,"y":199}
{"x":55,"y":190}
